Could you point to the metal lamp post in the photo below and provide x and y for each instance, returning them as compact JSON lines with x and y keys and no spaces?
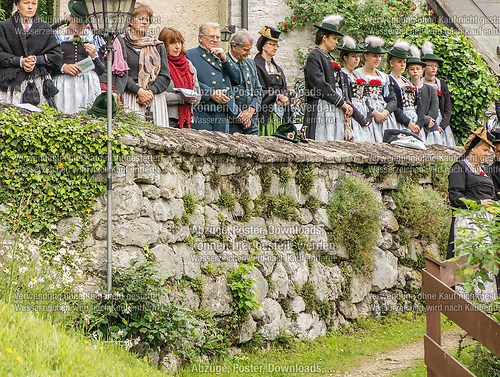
{"x":108,"y":18}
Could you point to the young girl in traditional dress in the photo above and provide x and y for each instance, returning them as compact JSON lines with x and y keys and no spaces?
{"x":426,"y":101}
{"x":378,"y":95}
{"x":77,"y":89}
{"x":444,"y":133}
{"x":350,"y":54}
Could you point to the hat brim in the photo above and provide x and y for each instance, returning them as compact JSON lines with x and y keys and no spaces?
{"x":349,"y":50}
{"x":330,"y":30}
{"x":412,"y":61}
{"x":284,"y":137}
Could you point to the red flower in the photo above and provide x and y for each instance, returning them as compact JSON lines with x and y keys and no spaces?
{"x":439,"y":93}
{"x":375,"y":82}
{"x":361,"y":81}
{"x":482,"y":173}
{"x":294,"y":18}
{"x":409,"y":88}
{"x":336,"y":65}
{"x":285,"y":26}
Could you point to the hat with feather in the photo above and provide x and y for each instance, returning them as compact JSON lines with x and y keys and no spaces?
{"x":374,"y":44}
{"x":481,"y":134}
{"x":349,"y":45}
{"x":428,"y":51}
{"x":415,"y":57}
{"x":331,"y":23}
{"x":270,"y":33}
{"x":400,"y":49}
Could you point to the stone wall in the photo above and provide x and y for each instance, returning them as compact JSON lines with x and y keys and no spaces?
{"x":153,"y":189}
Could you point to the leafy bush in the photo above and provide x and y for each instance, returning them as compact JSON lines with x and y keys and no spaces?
{"x":479,"y":360}
{"x":424,"y":210}
{"x":241,"y":286}
{"x":472,"y":86}
{"x":354,"y":214}
{"x":380,"y":17}
{"x":136,"y":314}
{"x":481,"y":240}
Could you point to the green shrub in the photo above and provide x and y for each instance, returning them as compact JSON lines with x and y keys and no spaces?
{"x":284,"y":176}
{"x":135,"y":314}
{"x":424,"y":211}
{"x":313,"y":303}
{"x":300,"y":242}
{"x":241,"y":286}
{"x":190,"y":203}
{"x":472,"y":86}
{"x":265,"y":179}
{"x":378,"y":17}
{"x":479,"y":360}
{"x":312,"y":204}
{"x":354,"y":215}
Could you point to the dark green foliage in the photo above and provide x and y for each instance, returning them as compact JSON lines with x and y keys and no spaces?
{"x":305,"y":177}
{"x":48,"y":166}
{"x":354,"y":214}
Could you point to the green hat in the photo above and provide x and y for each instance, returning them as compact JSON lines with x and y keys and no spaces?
{"x":288,"y":132}
{"x":415,"y":57}
{"x":400,"y":49}
{"x":428,"y":51}
{"x":100,"y":106}
{"x":349,"y":46}
{"x":79,"y":11}
{"x":331,"y":24}
{"x":374,"y":44}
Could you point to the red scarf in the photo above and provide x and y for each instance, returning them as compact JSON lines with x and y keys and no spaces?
{"x":183,"y":78}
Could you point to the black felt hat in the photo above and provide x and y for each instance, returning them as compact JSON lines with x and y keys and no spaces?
{"x":100,"y":106}
{"x":270,"y":33}
{"x":428,"y":51}
{"x":287,"y":131}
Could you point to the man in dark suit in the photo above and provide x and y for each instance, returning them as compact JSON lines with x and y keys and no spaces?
{"x":216,"y":75}
{"x":247,"y":95}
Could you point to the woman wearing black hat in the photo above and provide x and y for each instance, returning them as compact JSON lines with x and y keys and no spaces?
{"x":350,"y":54}
{"x":78,"y":82}
{"x":326,"y":104}
{"x":468,"y":179}
{"x":275,"y":108}
{"x":444,"y":133}
{"x":379,"y":94}
{"x":405,"y":91}
{"x":426,"y":102}
{"x":29,"y":55}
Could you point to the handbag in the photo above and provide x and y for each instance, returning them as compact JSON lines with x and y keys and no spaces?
{"x":31,"y":94}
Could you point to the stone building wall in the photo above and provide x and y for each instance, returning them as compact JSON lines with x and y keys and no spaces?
{"x":153,"y":188}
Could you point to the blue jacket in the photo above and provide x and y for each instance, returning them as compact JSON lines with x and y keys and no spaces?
{"x":213,"y":74}
{"x":249,"y":92}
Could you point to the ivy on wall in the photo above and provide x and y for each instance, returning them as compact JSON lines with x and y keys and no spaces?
{"x":49,"y":167}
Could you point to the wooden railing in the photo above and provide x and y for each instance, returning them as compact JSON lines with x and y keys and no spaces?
{"x":437,"y":278}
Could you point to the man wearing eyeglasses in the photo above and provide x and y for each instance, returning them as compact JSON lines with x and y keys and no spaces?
{"x":216,"y":74}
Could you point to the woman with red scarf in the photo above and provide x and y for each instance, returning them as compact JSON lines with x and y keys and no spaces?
{"x":183,"y":91}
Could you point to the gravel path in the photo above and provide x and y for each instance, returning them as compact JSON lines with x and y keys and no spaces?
{"x":387,"y":364}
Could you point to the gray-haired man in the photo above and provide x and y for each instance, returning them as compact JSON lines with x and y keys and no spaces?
{"x":247,"y":95}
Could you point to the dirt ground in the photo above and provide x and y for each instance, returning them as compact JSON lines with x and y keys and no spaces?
{"x":387,"y":364}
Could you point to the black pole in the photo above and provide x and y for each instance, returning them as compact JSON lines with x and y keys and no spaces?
{"x":244,"y":14}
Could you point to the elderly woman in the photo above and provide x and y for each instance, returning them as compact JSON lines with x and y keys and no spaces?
{"x":275,"y":108}
{"x":468,"y":179}
{"x":29,"y":54}
{"x":140,"y":69}
{"x":183,"y":90}
{"x":78,"y":82}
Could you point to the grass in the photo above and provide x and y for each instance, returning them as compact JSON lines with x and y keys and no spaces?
{"x":417,"y":371}
{"x":338,"y":351}
{"x":30,"y":346}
